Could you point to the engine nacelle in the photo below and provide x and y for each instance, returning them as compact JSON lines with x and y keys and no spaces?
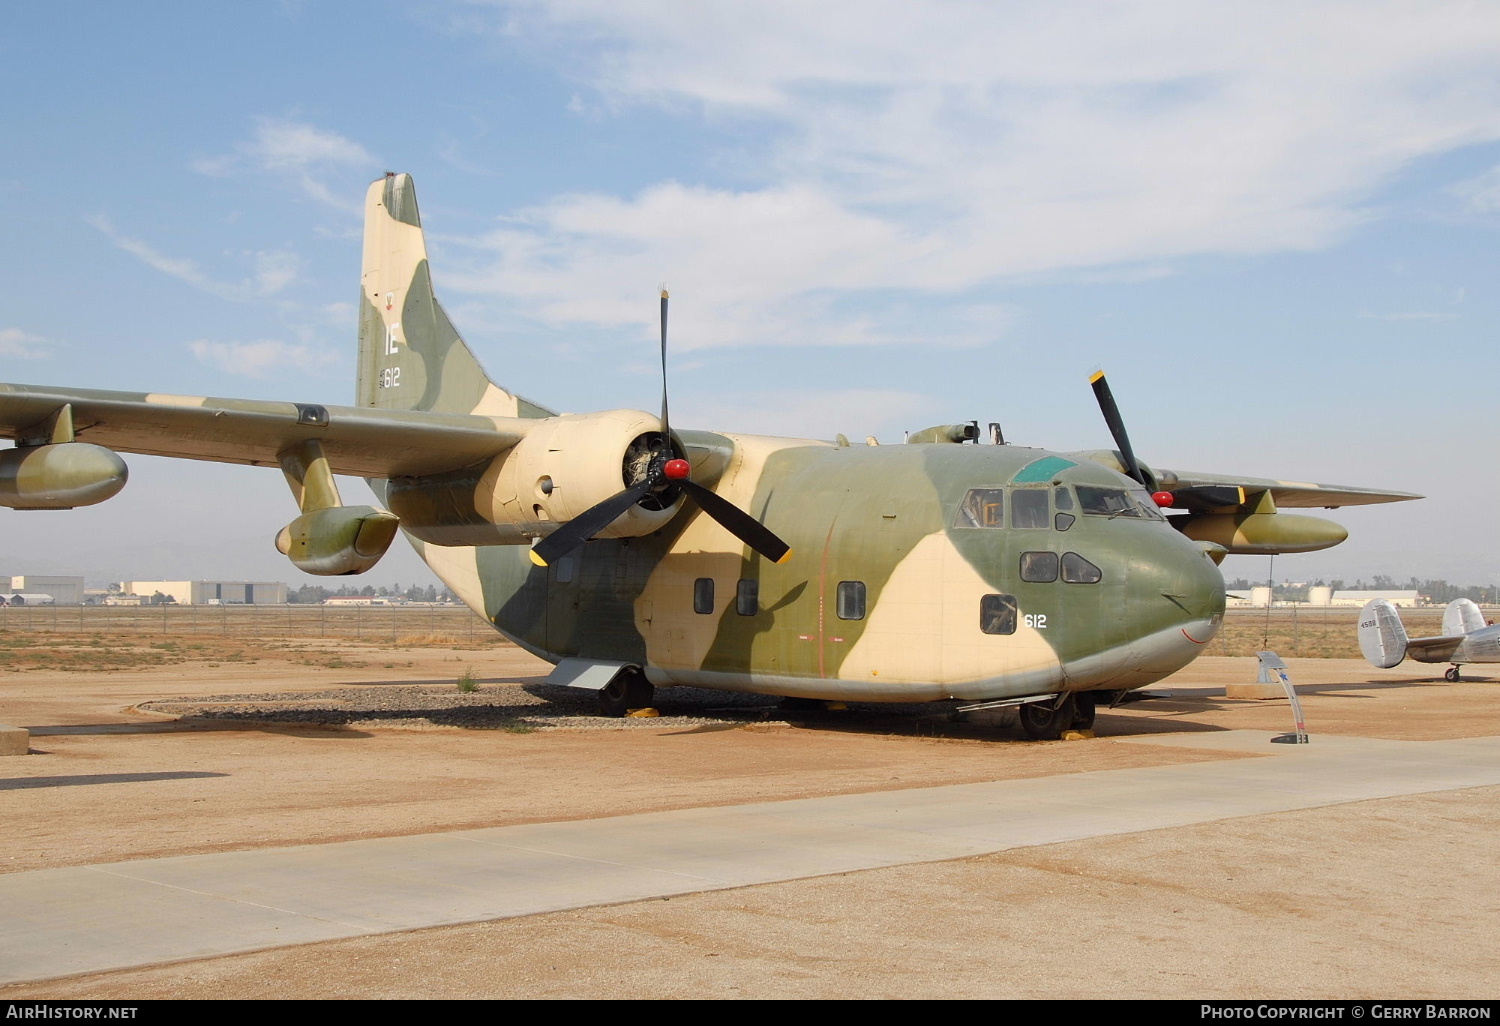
{"x":564,"y":466}
{"x":60,"y":475}
{"x":337,"y":541}
{"x":1116,"y":461}
{"x":1261,"y":534}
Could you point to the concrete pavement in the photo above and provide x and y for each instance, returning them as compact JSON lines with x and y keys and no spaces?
{"x":81,"y":919}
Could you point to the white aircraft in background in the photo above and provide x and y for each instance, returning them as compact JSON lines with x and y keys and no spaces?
{"x":1466,"y":637}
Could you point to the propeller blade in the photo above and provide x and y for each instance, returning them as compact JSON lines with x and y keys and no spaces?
{"x":1116,"y":425}
{"x":666,"y":431}
{"x":587,"y":524}
{"x":737,"y":522}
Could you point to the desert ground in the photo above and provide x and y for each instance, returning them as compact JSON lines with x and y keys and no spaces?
{"x":160,"y":733}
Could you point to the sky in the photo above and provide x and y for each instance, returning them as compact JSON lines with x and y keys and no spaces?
{"x":1274,"y":225}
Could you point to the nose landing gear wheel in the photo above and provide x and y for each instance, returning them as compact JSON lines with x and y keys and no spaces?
{"x":629,"y":689}
{"x":1046,"y":720}
{"x":1451,"y":675}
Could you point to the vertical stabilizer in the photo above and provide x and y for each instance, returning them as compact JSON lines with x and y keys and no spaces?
{"x":410,"y":356}
{"x":1382,"y":636}
{"x":1462,"y":617}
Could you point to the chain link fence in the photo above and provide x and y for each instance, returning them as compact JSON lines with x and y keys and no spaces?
{"x":411,"y":623}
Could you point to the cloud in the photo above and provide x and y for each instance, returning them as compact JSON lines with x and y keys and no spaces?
{"x":23,"y":345}
{"x":1481,"y":194}
{"x":273,"y":271}
{"x":303,"y":152}
{"x":260,"y":359}
{"x":949,"y":148}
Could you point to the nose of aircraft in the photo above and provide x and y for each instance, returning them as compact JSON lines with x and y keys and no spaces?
{"x":1176,"y":603}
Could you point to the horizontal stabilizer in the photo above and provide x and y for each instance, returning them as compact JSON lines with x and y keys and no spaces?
{"x":1434,"y":650}
{"x":1383,"y":640}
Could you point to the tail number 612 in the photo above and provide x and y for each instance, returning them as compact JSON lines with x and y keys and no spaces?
{"x":1037,"y":620}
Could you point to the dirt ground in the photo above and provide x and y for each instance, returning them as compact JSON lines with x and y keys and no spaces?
{"x":1390,"y":898}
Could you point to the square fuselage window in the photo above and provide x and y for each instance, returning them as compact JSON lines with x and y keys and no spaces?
{"x":703,"y":595}
{"x":1039,"y":567}
{"x":997,"y":614}
{"x":851,"y":600}
{"x":747,"y":597}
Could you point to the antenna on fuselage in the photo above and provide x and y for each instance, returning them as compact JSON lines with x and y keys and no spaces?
{"x":996,"y":438}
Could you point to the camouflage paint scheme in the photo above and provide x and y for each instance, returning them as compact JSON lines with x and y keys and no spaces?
{"x":474,"y":472}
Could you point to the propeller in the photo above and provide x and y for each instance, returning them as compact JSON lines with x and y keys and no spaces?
{"x":664,"y":471}
{"x":1116,"y":426}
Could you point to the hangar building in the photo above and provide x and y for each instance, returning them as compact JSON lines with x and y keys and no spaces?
{"x":65,"y":591}
{"x":213,"y":593}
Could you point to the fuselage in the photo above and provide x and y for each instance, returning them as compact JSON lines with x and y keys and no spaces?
{"x":919,"y":572}
{"x":1481,"y":646}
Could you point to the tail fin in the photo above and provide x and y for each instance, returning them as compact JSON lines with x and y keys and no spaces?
{"x":410,"y":355}
{"x":1382,"y":636}
{"x":1462,"y":617}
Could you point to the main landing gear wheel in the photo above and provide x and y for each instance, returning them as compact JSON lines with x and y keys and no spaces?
{"x":1046,"y":720}
{"x":629,"y":689}
{"x":1451,"y":675}
{"x":1087,"y":703}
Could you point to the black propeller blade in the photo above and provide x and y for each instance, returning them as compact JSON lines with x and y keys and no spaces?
{"x":1116,"y":426}
{"x":737,"y":522}
{"x":587,"y":524}
{"x":665,"y":471}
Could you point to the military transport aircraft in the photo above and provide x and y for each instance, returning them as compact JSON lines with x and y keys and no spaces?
{"x":635,"y":556}
{"x":1466,"y":637}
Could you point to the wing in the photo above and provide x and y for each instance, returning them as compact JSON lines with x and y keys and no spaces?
{"x":1220,"y":490}
{"x":360,"y":441}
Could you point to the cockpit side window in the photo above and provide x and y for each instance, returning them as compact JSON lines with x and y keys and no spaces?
{"x":1077,"y":570}
{"x":1148,"y":506}
{"x":982,"y":507}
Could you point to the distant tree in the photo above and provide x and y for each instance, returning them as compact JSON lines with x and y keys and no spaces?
{"x":308,"y":594}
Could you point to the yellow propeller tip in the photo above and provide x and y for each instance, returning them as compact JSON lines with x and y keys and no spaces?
{"x":786,"y":557}
{"x":1095,"y":376}
{"x":538,"y":560}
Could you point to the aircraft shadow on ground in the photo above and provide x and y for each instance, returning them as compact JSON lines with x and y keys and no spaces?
{"x":25,"y":783}
{"x":336,"y":711}
{"x":187,"y":723}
